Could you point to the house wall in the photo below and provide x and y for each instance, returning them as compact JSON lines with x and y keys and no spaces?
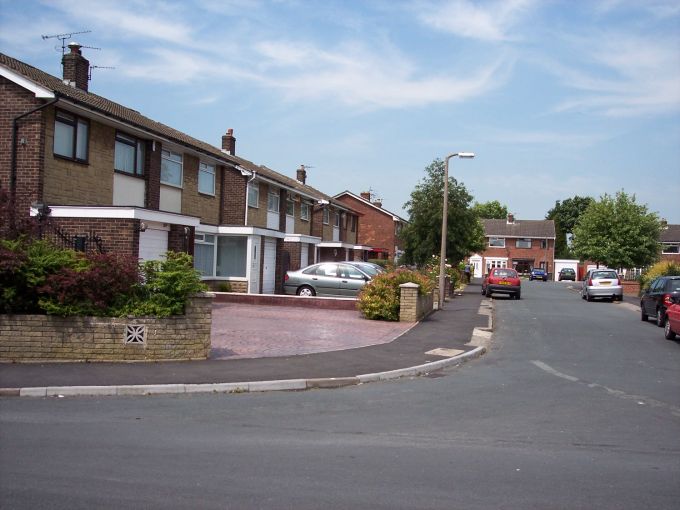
{"x":535,"y":253}
{"x":233,"y":188}
{"x":71,"y":183}
{"x":302,"y":226}
{"x":14,"y":101}
{"x":257,"y":216}
{"x":118,"y":235}
{"x":670,"y":257}
{"x":376,"y":228}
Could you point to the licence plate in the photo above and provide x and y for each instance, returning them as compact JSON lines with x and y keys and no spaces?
{"x":504,"y":283}
{"x":605,"y":283}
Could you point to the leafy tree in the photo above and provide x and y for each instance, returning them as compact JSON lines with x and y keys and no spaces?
{"x":422,"y":236}
{"x":491,"y":210}
{"x":617,"y":232}
{"x":566,"y":215}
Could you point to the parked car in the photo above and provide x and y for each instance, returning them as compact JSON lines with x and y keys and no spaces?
{"x":336,"y":279}
{"x":566,"y":273}
{"x":672,"y":326}
{"x":656,"y":298}
{"x":368,"y":267}
{"x":538,"y":274}
{"x":602,"y":283}
{"x":502,"y":281}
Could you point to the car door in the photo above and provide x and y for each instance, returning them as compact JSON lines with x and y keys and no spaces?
{"x":648,"y":301}
{"x":352,"y":280}
{"x":325,"y":280}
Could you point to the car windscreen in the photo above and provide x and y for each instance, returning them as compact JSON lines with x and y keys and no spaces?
{"x":366,"y":268}
{"x":604,"y":275}
{"x":505,"y":273}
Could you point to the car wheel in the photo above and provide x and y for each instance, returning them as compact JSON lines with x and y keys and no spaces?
{"x":488,"y":292}
{"x":660,"y":317}
{"x":643,"y":315}
{"x":589,"y":297}
{"x":306,"y":291}
{"x":518,"y":295}
{"x":667,"y":331}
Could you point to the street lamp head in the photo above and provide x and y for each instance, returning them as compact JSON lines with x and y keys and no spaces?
{"x":469,"y":155}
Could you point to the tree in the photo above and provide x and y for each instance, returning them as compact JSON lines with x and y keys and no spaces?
{"x":566,"y":215}
{"x":617,"y":232}
{"x":491,"y":210}
{"x":422,"y":236}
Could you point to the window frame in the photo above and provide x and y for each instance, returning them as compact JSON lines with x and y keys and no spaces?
{"x":139,"y":147}
{"x":74,"y":122}
{"x":273,"y":196}
{"x":205,"y":171}
{"x":304,"y":211}
{"x":290,"y":204}
{"x":664,"y":247}
{"x":181,"y":168}
{"x":337,"y":221}
{"x":491,"y":239}
{"x":326,"y":216}
{"x":525,"y":241}
{"x":254,"y":187}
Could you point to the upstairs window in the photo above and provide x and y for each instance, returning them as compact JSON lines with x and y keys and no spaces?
{"x":326,"y":217}
{"x":273,"y":201}
{"x":544,"y":243}
{"x":497,"y":242}
{"x":253,"y":194}
{"x":171,"y":168}
{"x":129,"y":155}
{"x":290,"y":207}
{"x":71,"y":135}
{"x":523,"y":243}
{"x":670,"y":248}
{"x":353,"y":223}
{"x":336,"y":221}
{"x":304,"y":212}
{"x":206,"y":179}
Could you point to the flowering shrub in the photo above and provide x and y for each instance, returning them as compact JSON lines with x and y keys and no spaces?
{"x":379,"y":299}
{"x":432,"y":271}
{"x":663,"y":268}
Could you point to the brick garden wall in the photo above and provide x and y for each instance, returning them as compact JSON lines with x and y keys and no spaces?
{"x":49,"y":338}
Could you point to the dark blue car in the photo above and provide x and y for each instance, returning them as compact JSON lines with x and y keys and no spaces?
{"x":538,"y":274}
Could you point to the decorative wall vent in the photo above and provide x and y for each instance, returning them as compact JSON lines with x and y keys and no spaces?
{"x":135,"y":334}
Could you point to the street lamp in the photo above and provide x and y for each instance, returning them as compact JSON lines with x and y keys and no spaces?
{"x":445,"y":214}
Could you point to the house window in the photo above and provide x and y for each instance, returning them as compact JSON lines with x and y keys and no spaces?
{"x":253,"y":194}
{"x":290,"y":207}
{"x":353,"y":223}
{"x":171,"y":168}
{"x":232,"y":256}
{"x":523,"y":243}
{"x":497,"y":242}
{"x":326,"y":216}
{"x":71,"y":135}
{"x":544,"y":243}
{"x":129,"y":155}
{"x":204,"y":254}
{"x":304,"y":212}
{"x":670,"y":248}
{"x":273,"y":201}
{"x":206,"y":178}
{"x":336,"y":220}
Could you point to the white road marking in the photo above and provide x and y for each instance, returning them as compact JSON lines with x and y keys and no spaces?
{"x":641,"y":400}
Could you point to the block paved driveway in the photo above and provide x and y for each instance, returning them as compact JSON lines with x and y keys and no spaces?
{"x":257,"y":331}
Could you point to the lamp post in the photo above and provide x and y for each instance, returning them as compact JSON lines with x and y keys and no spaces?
{"x":445,"y":214}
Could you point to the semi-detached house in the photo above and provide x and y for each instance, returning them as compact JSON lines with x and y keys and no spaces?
{"x":97,"y":171}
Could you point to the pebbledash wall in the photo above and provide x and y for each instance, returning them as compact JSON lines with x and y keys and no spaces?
{"x":49,"y":338}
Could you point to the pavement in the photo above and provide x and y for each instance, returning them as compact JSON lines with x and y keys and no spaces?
{"x":445,"y":338}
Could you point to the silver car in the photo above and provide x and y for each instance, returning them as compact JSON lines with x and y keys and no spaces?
{"x":336,"y":279}
{"x":602,"y":283}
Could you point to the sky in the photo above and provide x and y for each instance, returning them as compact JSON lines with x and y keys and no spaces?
{"x":556,"y":98}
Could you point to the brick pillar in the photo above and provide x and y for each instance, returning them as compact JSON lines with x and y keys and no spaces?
{"x":408,"y":302}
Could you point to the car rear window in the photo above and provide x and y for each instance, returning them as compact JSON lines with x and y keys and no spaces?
{"x":505,"y":273}
{"x":604,"y":275}
{"x":567,"y":271}
{"x":674,"y":285}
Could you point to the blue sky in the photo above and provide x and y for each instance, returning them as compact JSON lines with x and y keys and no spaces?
{"x":556,"y":98}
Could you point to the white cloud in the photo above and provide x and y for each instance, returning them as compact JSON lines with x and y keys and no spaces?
{"x":464,"y":18}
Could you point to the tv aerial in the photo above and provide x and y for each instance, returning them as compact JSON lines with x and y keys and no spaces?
{"x":65,"y":37}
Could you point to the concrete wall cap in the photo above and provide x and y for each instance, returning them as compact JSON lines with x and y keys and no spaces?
{"x":409,"y":285}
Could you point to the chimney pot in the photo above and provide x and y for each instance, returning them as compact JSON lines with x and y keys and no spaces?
{"x":229,"y":142}
{"x":511,"y":218}
{"x":377,"y":203}
{"x":302,"y":174}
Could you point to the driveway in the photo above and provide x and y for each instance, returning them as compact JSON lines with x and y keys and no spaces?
{"x":257,"y":331}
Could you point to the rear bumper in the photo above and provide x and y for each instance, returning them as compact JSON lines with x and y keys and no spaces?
{"x":605,"y":292}
{"x":504,"y":289}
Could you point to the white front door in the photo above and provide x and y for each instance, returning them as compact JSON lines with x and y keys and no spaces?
{"x":476,"y":262}
{"x":153,"y":243}
{"x":254,"y":279}
{"x":304,"y":255}
{"x":269,"y":266}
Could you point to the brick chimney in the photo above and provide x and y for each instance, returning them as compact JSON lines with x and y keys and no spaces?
{"x":377,"y":203}
{"x":511,"y":219}
{"x":302,"y":174}
{"x":229,"y":142}
{"x":366,"y":195}
{"x":76,"y":67}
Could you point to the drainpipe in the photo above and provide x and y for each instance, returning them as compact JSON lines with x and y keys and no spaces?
{"x":252,"y":178}
{"x":13,"y":163}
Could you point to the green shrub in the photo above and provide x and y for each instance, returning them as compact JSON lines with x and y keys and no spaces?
{"x":379,"y":262}
{"x":224,"y":287}
{"x":379,"y":299}
{"x":663,"y":268}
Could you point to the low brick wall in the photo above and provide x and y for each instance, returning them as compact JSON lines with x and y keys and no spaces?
{"x":631,"y":288}
{"x":413,"y":307}
{"x":50,"y":338}
{"x":326,"y":303}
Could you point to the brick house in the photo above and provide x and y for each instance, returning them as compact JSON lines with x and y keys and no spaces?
{"x":519,"y":244}
{"x":670,"y":243}
{"x":380,"y":228}
{"x":95,"y":170}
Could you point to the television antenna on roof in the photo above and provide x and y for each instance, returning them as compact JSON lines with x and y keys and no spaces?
{"x":64,"y":37}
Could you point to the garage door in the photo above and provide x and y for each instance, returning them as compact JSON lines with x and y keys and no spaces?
{"x":269,"y":267}
{"x":153,"y":244}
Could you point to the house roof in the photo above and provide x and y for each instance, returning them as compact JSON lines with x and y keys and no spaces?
{"x":132,"y":117}
{"x":670,"y":234}
{"x":396,"y":217}
{"x":520,"y":228}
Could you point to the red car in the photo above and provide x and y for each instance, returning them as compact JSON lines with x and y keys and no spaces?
{"x":672,"y":326}
{"x":501,"y":280}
